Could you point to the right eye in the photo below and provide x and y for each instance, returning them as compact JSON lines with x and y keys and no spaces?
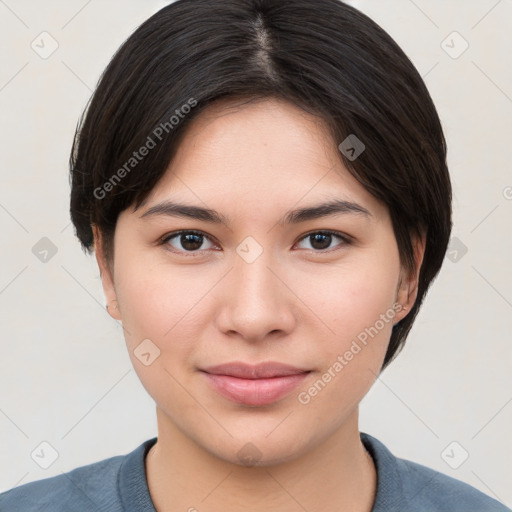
{"x":185,"y":241}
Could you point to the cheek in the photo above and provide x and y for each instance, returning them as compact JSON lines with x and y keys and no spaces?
{"x":360,"y":317}
{"x":352,"y":296}
{"x":158,"y":306}
{"x":355,"y":304}
{"x":159,"y":303}
{"x":142,"y":304}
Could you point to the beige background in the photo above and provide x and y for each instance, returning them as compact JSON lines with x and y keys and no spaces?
{"x":66,"y":378}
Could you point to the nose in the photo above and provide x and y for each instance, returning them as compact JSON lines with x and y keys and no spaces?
{"x":257,"y":300}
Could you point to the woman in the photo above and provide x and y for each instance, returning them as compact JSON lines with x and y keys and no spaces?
{"x":227,"y":142}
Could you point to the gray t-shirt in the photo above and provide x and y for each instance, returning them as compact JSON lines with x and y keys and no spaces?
{"x":119,"y":484}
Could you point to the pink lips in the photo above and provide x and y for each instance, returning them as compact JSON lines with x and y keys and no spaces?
{"x":257,"y":385}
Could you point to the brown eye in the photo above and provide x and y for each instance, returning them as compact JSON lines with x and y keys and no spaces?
{"x":186,"y":241}
{"x":322,"y":240}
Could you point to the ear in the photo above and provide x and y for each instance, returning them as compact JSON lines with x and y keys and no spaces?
{"x":407,"y":290}
{"x":107,"y":278}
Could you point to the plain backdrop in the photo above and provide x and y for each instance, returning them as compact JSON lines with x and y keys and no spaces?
{"x":66,"y":378}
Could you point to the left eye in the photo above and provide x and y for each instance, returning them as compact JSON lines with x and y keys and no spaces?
{"x":192,"y":241}
{"x":321,"y":240}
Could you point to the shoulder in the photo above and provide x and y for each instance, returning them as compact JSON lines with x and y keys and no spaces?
{"x":403,"y":484}
{"x":83,"y":488}
{"x":437,"y":491}
{"x":92,"y":487}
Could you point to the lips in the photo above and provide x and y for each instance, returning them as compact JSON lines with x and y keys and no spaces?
{"x":259,"y":371}
{"x":254,"y":385}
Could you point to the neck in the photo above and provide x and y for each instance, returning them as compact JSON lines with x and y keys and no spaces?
{"x":336,"y":475}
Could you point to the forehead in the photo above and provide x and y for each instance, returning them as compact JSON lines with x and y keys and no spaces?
{"x":260,"y":132}
{"x":267,"y":153}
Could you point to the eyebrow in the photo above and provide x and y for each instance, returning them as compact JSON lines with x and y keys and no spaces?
{"x":331,"y":208}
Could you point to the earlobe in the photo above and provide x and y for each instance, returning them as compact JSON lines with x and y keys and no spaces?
{"x":113,"y":311}
{"x":107,"y":278}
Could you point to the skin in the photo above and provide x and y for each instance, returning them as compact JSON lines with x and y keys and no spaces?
{"x":298,"y":303}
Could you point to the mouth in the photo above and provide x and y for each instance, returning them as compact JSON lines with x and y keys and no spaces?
{"x":254,"y":385}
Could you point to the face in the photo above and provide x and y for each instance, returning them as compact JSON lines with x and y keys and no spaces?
{"x":250,"y":283}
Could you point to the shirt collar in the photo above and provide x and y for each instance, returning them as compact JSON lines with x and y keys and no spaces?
{"x":390,"y":494}
{"x":132,"y":484}
{"x":134,"y":492}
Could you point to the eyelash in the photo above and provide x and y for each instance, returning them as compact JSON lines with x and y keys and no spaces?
{"x":163,"y":241}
